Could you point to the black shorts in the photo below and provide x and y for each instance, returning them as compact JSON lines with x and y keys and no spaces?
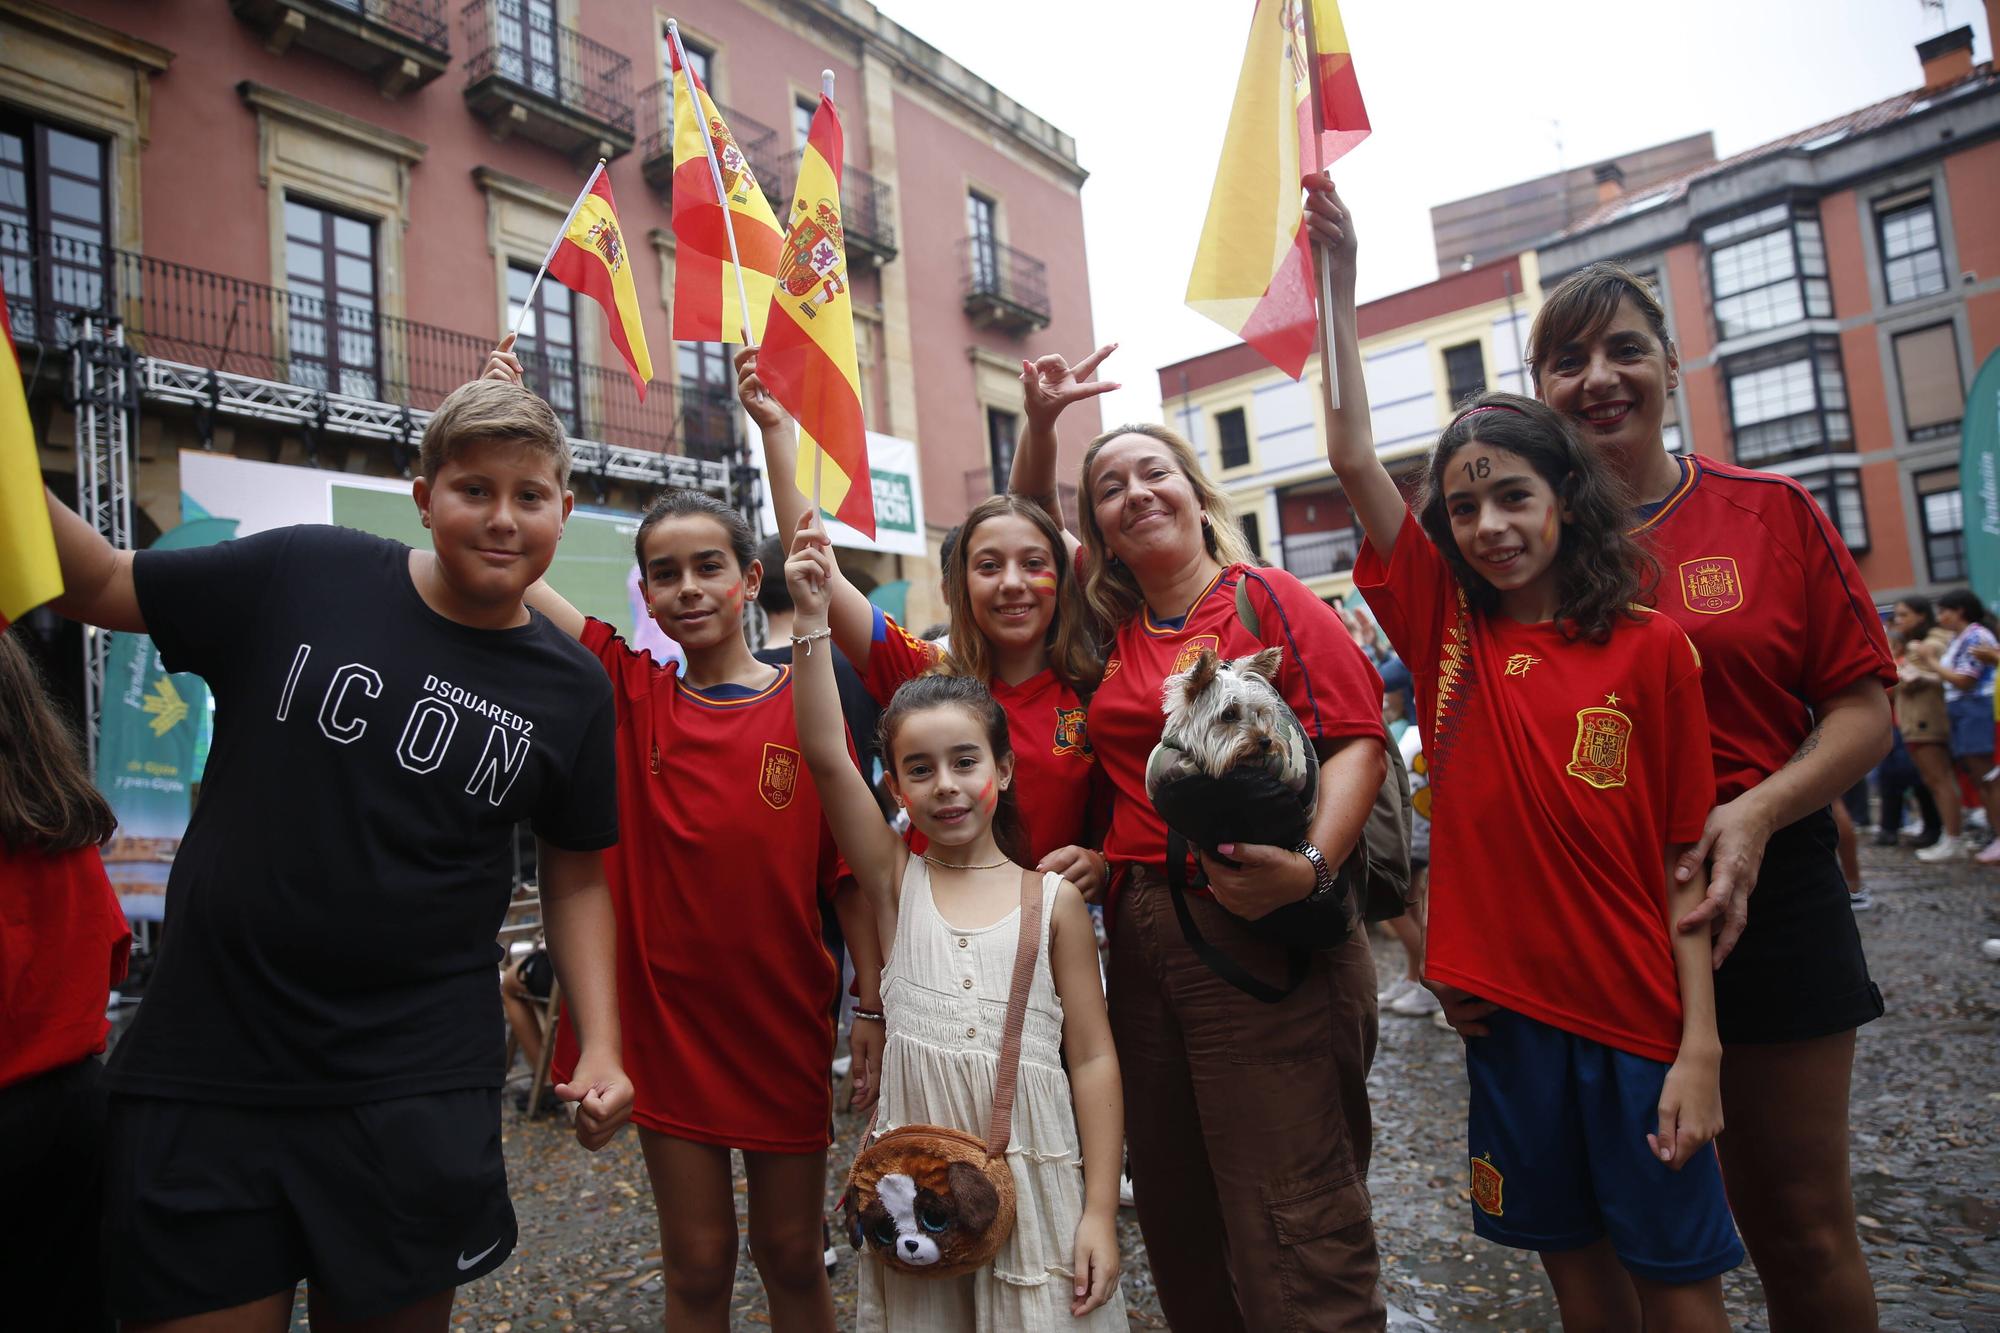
{"x":379,"y":1205}
{"x":1798,"y":972}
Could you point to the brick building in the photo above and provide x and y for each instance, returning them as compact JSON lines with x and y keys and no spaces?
{"x":1831,"y":294}
{"x":310,"y":218}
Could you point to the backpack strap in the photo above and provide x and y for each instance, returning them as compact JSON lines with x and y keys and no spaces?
{"x":1029,"y":947}
{"x":1297,"y":961}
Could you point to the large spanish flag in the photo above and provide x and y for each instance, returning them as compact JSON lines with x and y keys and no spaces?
{"x":808,"y":362}
{"x":591,"y":257}
{"x":1253,"y":271}
{"x":29,"y":574}
{"x":707,"y":306}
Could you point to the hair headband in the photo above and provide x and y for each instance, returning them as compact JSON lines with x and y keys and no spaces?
{"x":1489,"y":407}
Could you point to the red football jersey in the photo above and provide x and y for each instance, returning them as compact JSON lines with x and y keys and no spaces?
{"x":1326,"y":679}
{"x":1560,"y":771}
{"x":1760,"y":580}
{"x":725,"y":987}
{"x":1058,"y":783}
{"x":63,"y":946}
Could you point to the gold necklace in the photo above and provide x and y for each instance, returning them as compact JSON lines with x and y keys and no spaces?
{"x":953,"y":865}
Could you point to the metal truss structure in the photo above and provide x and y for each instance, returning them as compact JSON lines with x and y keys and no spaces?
{"x":102,"y":391}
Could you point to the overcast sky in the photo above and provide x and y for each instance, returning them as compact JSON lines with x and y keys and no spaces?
{"x":1464,"y":95}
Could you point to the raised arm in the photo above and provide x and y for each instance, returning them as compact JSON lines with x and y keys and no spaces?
{"x":849,"y":612}
{"x":1350,"y":438}
{"x":871,"y":848}
{"x":556,"y":607}
{"x":97,"y":577}
{"x":1049,"y":385}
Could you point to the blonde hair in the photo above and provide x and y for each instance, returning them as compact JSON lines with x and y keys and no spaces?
{"x":1070,"y":643}
{"x":1109,"y":588}
{"x":493,"y":410}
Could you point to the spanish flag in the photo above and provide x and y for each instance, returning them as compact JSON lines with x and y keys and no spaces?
{"x":591,"y":257}
{"x":1253,"y":271}
{"x":29,"y":574}
{"x":707,"y":305}
{"x":808,"y":362}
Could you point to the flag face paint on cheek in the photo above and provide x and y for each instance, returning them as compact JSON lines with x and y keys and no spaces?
{"x":1044,"y":585}
{"x":988,"y":799}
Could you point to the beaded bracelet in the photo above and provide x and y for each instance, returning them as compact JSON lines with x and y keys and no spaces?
{"x":872,"y":1015}
{"x":823,"y":632}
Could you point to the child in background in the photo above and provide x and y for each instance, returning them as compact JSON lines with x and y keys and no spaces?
{"x":947,"y":920}
{"x":725,"y":987}
{"x":1567,"y":741}
{"x":321,"y":1043}
{"x":63,"y":946}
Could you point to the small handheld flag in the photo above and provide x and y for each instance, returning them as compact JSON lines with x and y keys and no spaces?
{"x":726,"y":240}
{"x":590,"y":256}
{"x":808,"y":362}
{"x":29,"y":574}
{"x":1297,"y":108}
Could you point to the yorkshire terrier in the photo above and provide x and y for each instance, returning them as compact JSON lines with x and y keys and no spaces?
{"x":1227,"y":715}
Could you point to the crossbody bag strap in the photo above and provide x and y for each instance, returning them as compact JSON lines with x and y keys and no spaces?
{"x":1029,"y":947}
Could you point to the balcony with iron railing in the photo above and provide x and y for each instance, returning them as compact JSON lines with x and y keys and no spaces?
{"x":757,"y":142}
{"x":400,"y":44}
{"x":527,"y":74}
{"x":1312,"y":554}
{"x":868,"y":210}
{"x":1004,"y":287}
{"x":343,"y":354}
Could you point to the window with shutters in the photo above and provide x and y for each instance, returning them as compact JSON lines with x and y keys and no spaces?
{"x":1927,"y":371}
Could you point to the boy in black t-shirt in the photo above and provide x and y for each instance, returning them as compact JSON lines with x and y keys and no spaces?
{"x":311,"y":1089}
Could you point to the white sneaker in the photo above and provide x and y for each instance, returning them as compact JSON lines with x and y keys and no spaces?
{"x":1913,"y":829}
{"x":1990,"y":950}
{"x":1860,"y":901}
{"x":1124,"y":1191}
{"x":1946,"y":848}
{"x":1414,"y":1003}
{"x":1394,"y":991}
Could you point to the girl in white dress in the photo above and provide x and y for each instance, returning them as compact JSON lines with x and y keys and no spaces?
{"x":950,"y":922}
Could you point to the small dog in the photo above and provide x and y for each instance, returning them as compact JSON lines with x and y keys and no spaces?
{"x":1228,"y":715}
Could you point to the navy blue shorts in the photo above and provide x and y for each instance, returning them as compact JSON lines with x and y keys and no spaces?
{"x":1557,"y":1134}
{"x":1971,"y":725}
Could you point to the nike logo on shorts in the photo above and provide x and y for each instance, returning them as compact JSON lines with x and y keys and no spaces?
{"x":465,"y":1263}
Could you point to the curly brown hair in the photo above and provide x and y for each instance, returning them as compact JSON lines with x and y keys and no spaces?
{"x":1601,"y":573}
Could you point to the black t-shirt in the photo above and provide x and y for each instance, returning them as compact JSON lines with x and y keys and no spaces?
{"x":332,"y":913}
{"x":857,"y":707}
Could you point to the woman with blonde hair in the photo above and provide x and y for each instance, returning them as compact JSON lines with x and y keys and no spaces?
{"x":1247,"y":1120}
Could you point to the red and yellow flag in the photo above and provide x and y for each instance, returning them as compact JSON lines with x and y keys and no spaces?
{"x":29,"y":574}
{"x":1253,"y":271}
{"x":707,"y":307}
{"x":808,"y":362}
{"x":591,"y":257}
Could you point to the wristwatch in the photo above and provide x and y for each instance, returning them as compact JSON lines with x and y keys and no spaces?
{"x":1324,"y":882}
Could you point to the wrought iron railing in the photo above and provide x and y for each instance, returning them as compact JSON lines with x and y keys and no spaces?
{"x":758,"y":141}
{"x":184,"y":314}
{"x":524,"y":46}
{"x":868,"y":209}
{"x":421,"y":20}
{"x":1310,"y":554}
{"x":1000,"y":273}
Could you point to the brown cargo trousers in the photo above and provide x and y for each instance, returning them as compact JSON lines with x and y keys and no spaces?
{"x":1246,"y":1123}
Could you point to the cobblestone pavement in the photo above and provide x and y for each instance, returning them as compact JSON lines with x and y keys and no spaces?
{"x":1927,"y":1178}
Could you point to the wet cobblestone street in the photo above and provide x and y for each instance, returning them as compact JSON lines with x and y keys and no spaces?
{"x":1927,"y":1177}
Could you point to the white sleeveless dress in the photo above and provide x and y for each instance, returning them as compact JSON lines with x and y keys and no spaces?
{"x":944,"y":996}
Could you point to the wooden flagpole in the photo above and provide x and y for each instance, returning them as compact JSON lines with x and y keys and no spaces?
{"x":715,"y":175}
{"x":1329,"y":365}
{"x":562,"y":231}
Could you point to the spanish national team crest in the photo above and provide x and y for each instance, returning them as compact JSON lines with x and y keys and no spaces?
{"x":1487,"y":1183}
{"x":813,"y":265}
{"x":778,"y":776}
{"x":1603,"y":736}
{"x":1711,"y":585}
{"x":1191,"y":650}
{"x":1071,"y":737}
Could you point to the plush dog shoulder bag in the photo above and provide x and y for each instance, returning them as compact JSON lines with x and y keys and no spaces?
{"x":932,"y":1201}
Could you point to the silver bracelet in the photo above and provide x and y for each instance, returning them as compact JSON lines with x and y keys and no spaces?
{"x":823,"y":632}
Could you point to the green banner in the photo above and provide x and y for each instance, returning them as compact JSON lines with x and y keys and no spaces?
{"x":146,"y":740}
{"x":1979,"y":480}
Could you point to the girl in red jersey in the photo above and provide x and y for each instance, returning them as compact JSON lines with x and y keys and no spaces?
{"x":1570,"y":769}
{"x":947,"y":917}
{"x":1795,"y":671}
{"x":63,"y":946}
{"x":1017,"y":624}
{"x":725,"y":989}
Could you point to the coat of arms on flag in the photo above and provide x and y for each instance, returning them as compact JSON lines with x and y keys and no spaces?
{"x":737,"y":178}
{"x":813,"y":263}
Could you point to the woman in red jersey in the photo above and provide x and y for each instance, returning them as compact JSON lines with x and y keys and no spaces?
{"x":63,"y":945}
{"x":1247,"y":1123}
{"x":725,"y":989}
{"x":1795,"y":674}
{"x":1017,"y":624}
